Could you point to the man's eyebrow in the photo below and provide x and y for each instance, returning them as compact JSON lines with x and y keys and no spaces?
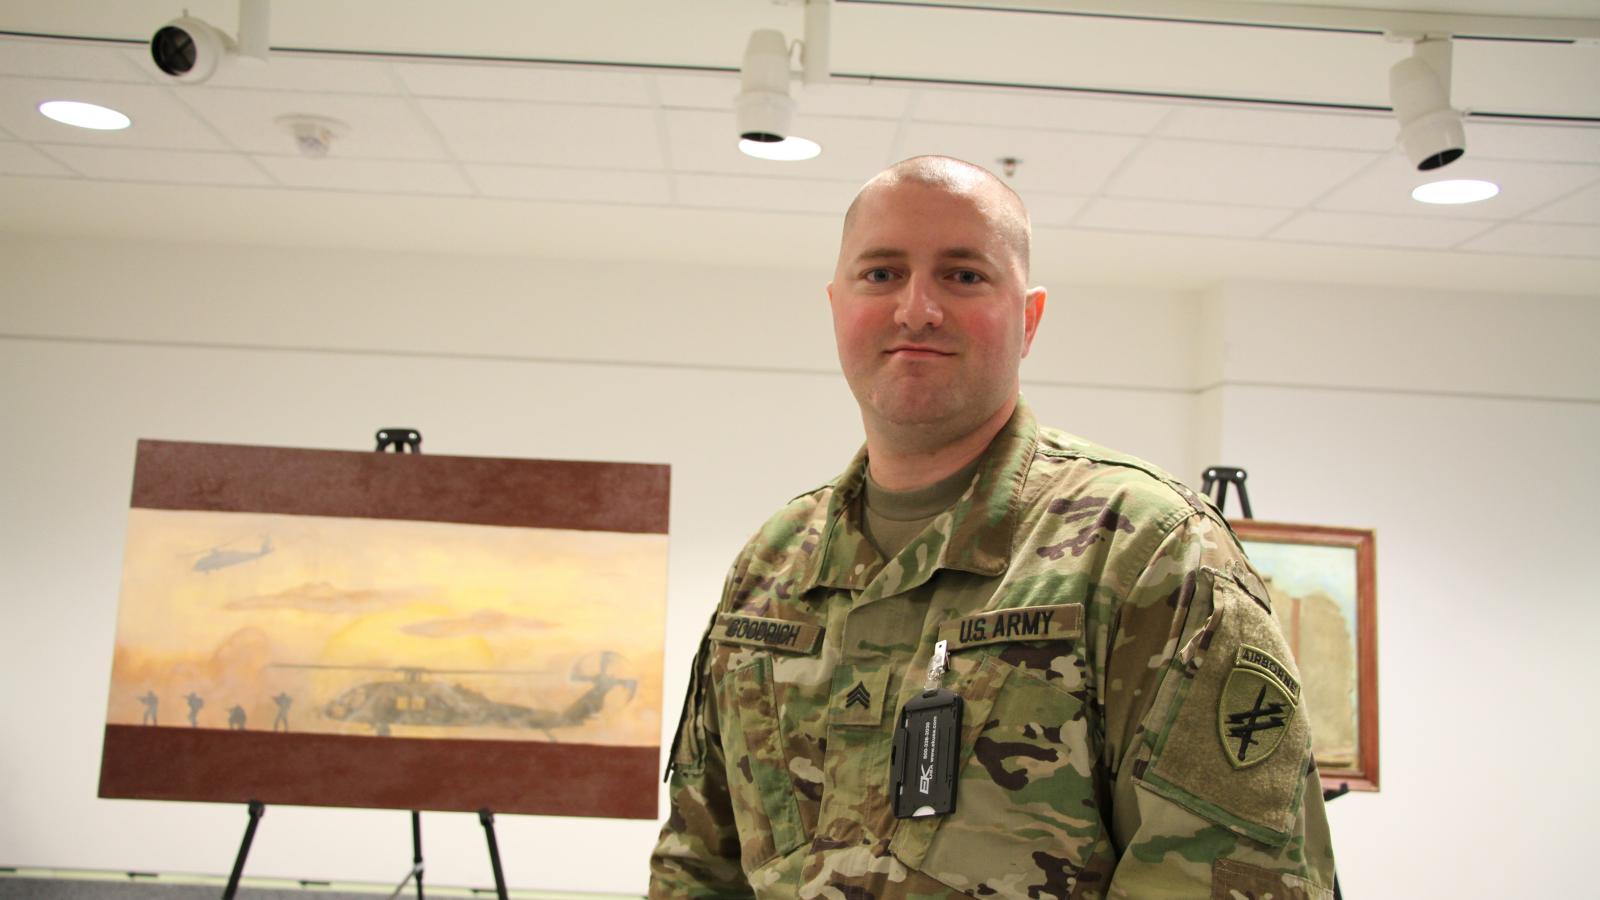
{"x":875,"y":253}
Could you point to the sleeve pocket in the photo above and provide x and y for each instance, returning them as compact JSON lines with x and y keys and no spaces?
{"x":1231,"y":741}
{"x":765,"y":808}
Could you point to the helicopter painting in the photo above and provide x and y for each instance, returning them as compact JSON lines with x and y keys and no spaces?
{"x":219,"y":558}
{"x":416,"y":699}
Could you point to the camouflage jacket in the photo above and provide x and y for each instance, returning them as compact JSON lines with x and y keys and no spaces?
{"x":1130,"y":729}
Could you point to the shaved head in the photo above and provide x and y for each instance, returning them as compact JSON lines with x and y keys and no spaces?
{"x":996,"y":198}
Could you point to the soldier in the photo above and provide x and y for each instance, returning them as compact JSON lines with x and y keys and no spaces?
{"x":196,"y":702}
{"x":1131,"y":723}
{"x":284,"y":701}
{"x":152,"y":703}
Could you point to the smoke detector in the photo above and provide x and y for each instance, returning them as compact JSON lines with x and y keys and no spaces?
{"x":313,"y":135}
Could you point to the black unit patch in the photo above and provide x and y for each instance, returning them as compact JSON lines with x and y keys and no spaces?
{"x":1258,"y":700}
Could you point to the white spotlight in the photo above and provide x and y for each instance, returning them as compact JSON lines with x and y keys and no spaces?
{"x":1455,"y":191}
{"x":190,"y":49}
{"x":1419,"y":87}
{"x":764,"y":108}
{"x":84,"y":115}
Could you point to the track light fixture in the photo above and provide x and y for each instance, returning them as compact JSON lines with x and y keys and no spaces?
{"x":764,"y":108}
{"x":190,"y":49}
{"x":1419,"y":87}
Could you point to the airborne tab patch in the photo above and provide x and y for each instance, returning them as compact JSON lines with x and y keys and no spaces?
{"x":1258,"y":700}
{"x":1029,"y":623}
{"x":774,"y":634}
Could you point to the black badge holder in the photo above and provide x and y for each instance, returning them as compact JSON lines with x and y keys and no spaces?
{"x":927,"y":745}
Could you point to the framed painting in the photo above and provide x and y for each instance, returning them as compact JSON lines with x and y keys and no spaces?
{"x":1323,"y":582}
{"x":329,"y":628}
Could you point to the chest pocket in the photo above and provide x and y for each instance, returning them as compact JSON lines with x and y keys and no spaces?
{"x":1027,"y":821}
{"x":764,"y":805}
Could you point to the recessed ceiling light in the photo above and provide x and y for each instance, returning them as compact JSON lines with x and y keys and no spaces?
{"x":84,"y":115}
{"x":789,"y":149}
{"x":1456,"y":190}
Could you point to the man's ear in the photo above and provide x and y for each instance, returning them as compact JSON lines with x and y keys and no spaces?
{"x":1032,"y":312}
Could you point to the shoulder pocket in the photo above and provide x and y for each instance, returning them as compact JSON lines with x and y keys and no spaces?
{"x":1230,"y":740}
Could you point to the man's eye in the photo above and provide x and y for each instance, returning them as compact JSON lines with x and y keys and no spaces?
{"x":877,"y":276}
{"x":967,"y":276}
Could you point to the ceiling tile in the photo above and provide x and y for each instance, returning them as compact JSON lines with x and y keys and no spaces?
{"x":853,"y":150}
{"x":283,"y":71}
{"x":377,"y":127}
{"x":1379,"y":231}
{"x":40,"y":58}
{"x":1331,"y":130}
{"x":1207,"y":172}
{"x":1509,"y":140}
{"x":587,"y":185}
{"x":1049,"y":161}
{"x":158,"y":119}
{"x":775,"y":194}
{"x":1540,"y":240}
{"x":387,"y":176}
{"x":1582,"y":208}
{"x":547,"y":134}
{"x":1024,"y":108}
{"x":21,"y":159}
{"x":167,"y":166}
{"x":716,"y":91}
{"x":1119,"y":214}
{"x":527,"y":81}
{"x":1047,"y":210}
{"x":1386,"y":187}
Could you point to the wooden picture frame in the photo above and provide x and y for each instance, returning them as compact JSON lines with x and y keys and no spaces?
{"x":1323,"y":582}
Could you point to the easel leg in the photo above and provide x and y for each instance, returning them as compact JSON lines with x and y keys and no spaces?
{"x":487,"y":818}
{"x":257,"y":808}
{"x":416,"y":849}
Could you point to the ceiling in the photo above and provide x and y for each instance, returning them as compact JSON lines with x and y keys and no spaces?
{"x":1150,"y":151}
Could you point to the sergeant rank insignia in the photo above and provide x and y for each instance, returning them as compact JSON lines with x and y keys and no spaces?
{"x":1258,"y":701}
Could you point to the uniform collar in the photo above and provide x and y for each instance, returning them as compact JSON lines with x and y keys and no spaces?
{"x":975,"y":535}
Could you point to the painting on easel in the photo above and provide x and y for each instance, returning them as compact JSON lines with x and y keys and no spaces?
{"x":389,"y":630}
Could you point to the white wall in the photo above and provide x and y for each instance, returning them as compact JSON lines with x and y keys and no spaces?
{"x":1463,"y":429}
{"x":725,"y":373}
{"x":1459,"y":425}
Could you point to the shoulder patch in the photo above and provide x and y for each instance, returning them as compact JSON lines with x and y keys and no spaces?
{"x":1256,"y":704}
{"x":772,"y":634}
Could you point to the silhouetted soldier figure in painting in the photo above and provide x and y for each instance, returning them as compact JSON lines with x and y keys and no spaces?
{"x":194,"y":709}
{"x":150,"y":701}
{"x":283,"y":700}
{"x":236,"y":718}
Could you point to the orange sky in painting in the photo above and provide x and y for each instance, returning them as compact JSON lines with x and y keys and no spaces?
{"x":529,"y":604}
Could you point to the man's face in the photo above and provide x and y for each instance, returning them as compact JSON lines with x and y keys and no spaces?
{"x":930,"y":310}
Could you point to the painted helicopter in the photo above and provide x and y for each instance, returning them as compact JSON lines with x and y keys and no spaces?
{"x":219,"y":557}
{"x":416,"y":698}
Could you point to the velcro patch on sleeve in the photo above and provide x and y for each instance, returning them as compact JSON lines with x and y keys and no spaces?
{"x":773,"y":634}
{"x":1031,"y":623}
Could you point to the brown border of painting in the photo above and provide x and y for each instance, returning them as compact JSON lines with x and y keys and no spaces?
{"x":1364,"y":775}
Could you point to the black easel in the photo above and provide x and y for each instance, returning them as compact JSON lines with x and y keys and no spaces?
{"x":1220,"y":477}
{"x":257,"y":810}
{"x":400,"y":440}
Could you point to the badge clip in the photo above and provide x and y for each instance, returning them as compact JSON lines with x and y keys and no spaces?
{"x":927,"y":747}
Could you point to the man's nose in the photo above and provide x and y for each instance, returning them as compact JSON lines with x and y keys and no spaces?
{"x":919,"y":306}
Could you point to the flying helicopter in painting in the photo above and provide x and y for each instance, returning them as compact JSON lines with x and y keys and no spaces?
{"x":418,"y":697}
{"x":219,"y":557}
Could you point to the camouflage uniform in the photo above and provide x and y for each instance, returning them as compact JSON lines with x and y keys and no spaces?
{"x":1130,"y":727}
